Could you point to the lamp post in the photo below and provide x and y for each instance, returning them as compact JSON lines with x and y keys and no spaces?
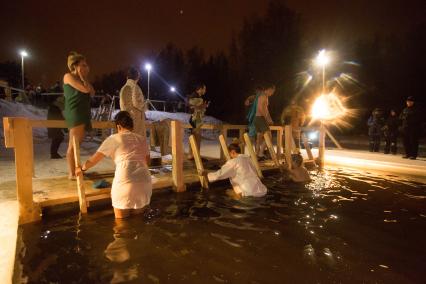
{"x":23,"y":54}
{"x":172,"y":89}
{"x":148,"y":68}
{"x":322,"y":60}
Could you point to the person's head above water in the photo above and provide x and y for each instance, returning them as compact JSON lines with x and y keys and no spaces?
{"x":234,"y":150}
{"x":123,"y":121}
{"x":133,"y":74}
{"x":200,"y":89}
{"x":296,"y":160}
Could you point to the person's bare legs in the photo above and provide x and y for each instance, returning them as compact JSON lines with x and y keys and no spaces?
{"x":78,"y":133}
{"x":121,"y":213}
{"x":260,"y":147}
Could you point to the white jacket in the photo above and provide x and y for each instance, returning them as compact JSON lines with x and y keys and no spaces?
{"x":132,"y":100}
{"x":243,"y":176}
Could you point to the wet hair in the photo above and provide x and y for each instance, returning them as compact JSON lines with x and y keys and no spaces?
{"x":234,"y":147}
{"x":133,"y":73}
{"x":124,"y":119}
{"x":297,"y":160}
{"x":74,"y":59}
{"x":199,"y":86}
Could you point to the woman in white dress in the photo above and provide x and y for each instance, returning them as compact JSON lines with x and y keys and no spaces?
{"x":132,"y":185}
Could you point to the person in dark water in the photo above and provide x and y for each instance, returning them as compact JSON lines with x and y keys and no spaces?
{"x":410,"y":120}
{"x":390,"y":131}
{"x":56,"y":134}
{"x":375,"y":124}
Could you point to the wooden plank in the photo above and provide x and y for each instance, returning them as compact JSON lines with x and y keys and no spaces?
{"x":198,"y":162}
{"x":288,"y":145}
{"x":321,"y":146}
{"x":308,"y":149}
{"x":241,"y":139}
{"x":252,"y":155}
{"x":177,"y":155}
{"x":280,"y":133}
{"x":80,"y":184}
{"x":268,"y":140}
{"x":224,"y":147}
{"x":333,"y":138}
{"x":225,"y":138}
{"x":23,"y":142}
{"x":8,"y":132}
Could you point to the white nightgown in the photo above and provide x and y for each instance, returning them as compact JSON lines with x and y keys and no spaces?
{"x":132,"y":184}
{"x":243,"y":176}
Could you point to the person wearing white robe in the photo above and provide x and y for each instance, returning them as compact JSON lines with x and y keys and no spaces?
{"x":242,"y":174}
{"x":132,"y":101}
{"x":132,"y":185}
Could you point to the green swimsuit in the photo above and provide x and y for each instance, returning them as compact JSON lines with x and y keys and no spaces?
{"x":77,"y":108}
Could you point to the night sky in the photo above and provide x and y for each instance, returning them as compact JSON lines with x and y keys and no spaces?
{"x":116,"y":34}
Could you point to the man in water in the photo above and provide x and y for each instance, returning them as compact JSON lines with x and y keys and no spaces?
{"x":242,"y":174}
{"x":298,"y":172}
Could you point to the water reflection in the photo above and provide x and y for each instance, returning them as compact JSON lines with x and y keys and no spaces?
{"x":344,"y":226}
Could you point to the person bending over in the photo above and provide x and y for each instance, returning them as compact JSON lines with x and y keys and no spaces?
{"x":242,"y":174}
{"x":132,"y":185}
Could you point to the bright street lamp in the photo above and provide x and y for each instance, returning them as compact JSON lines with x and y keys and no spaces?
{"x":172,"y":89}
{"x":23,"y":54}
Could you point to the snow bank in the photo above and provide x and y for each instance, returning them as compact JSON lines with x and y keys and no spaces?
{"x":14,"y":109}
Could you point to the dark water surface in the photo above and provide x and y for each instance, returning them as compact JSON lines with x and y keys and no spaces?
{"x":343,"y":227}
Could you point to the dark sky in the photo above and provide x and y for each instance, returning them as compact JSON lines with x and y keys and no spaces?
{"x":115,"y":34}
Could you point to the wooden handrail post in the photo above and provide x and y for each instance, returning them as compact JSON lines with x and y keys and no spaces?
{"x":198,"y":162}
{"x":307,"y":148}
{"x":177,"y":155}
{"x":224,"y":147}
{"x":280,"y":133}
{"x":241,"y":139}
{"x":81,"y":191}
{"x":321,"y":145}
{"x":252,"y":155}
{"x":333,"y":138}
{"x":224,"y":131}
{"x":288,"y":145}
{"x":268,"y":140}
{"x":24,"y":163}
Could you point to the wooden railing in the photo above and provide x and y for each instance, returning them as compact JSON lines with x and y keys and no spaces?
{"x":18,"y":135}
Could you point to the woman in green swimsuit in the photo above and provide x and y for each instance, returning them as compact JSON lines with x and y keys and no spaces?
{"x":77,"y":92}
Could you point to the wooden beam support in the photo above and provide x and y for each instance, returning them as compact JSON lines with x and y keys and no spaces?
{"x":224,"y":147}
{"x":198,"y":162}
{"x":268,"y":140}
{"x":23,"y":143}
{"x":252,"y":155}
{"x":333,"y":138}
{"x":321,"y":146}
{"x":280,"y":134}
{"x":225,"y":137}
{"x":81,"y":191}
{"x":177,"y":155}
{"x":241,"y":139}
{"x":288,"y":145}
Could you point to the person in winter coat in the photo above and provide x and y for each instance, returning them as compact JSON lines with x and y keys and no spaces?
{"x":390,"y":131}
{"x":375,"y":124}
{"x":410,"y":120}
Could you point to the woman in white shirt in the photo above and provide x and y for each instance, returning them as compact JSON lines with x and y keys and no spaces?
{"x":242,"y":174}
{"x":132,"y":185}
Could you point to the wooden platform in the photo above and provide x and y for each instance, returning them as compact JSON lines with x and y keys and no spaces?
{"x":60,"y":190}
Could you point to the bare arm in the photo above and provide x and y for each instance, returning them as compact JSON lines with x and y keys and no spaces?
{"x":92,"y":161}
{"x":78,"y":84}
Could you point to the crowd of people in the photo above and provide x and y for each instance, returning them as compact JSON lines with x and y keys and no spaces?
{"x":406,"y":125}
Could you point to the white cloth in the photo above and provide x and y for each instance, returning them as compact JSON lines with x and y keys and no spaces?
{"x":132,"y":184}
{"x":243,"y":176}
{"x":132,"y":100}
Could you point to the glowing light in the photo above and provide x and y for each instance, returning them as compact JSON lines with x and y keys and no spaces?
{"x":322,"y":58}
{"x":328,"y":107}
{"x":148,"y":67}
{"x":313,"y":135}
{"x":172,"y":89}
{"x":23,"y":53}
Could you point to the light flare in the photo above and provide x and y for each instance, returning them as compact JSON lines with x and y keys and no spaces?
{"x":328,"y":107}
